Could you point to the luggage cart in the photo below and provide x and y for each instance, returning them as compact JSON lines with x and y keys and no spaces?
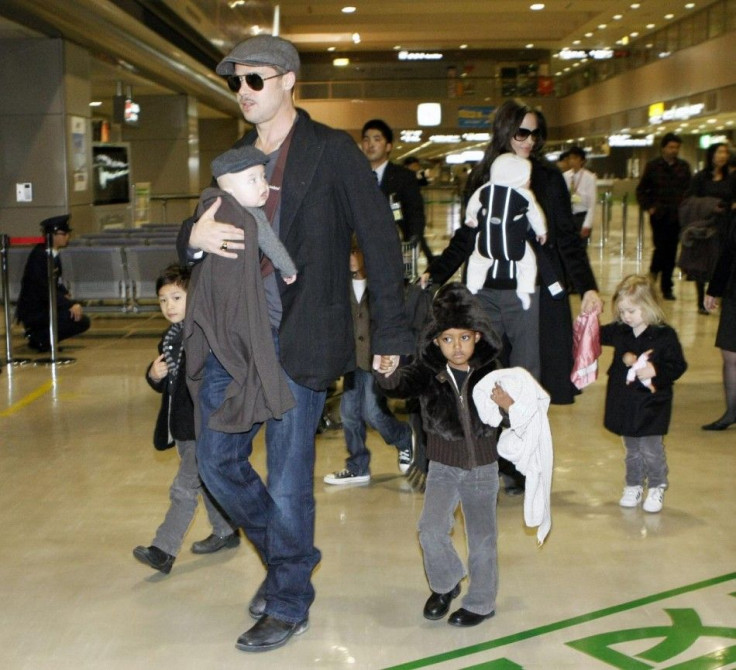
{"x":410,"y":252}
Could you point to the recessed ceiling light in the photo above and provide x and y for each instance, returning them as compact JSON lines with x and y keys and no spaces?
{"x":397,"y":47}
{"x":634,"y":34}
{"x":618,"y":17}
{"x":529,"y":46}
{"x":589,"y":34}
{"x":651,"y":25}
{"x":536,"y":6}
{"x":348,"y":10}
{"x":634,"y":5}
{"x":689,"y":5}
{"x":602,"y":26}
{"x":576,"y":41}
{"x":341,"y":62}
{"x":463,"y":46}
{"x":95,"y":103}
{"x":330,"y":48}
{"x":669,"y":16}
{"x":356,"y":38}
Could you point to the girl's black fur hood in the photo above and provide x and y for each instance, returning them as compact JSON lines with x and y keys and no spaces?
{"x":455,"y":306}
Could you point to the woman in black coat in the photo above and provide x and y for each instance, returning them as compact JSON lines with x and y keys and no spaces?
{"x":713,"y":181}
{"x":522,"y":130}
{"x":723,"y":286}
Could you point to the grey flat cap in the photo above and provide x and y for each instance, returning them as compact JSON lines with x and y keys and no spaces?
{"x":237,"y":160}
{"x":261,"y":50}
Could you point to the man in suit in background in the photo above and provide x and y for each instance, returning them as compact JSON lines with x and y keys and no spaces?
{"x":660,"y":192}
{"x":399,"y":184}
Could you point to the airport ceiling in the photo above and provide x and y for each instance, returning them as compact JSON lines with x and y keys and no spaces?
{"x":176,"y":43}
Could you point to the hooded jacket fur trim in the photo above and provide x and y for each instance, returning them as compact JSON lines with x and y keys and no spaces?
{"x":455,"y":434}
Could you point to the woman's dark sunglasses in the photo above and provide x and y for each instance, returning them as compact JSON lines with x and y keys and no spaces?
{"x":253,"y":80}
{"x":523,"y":133}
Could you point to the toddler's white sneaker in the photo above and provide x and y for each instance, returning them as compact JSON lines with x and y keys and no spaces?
{"x":655,"y":500}
{"x":632,"y":496}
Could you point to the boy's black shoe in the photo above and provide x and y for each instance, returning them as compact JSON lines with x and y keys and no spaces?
{"x":464,"y":618}
{"x":155,"y":558}
{"x":214,"y":543}
{"x":438,"y":604}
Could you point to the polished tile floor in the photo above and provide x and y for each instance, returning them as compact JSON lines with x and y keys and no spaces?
{"x":80,"y":486}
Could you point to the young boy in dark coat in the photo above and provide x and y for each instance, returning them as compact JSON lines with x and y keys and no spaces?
{"x":456,"y":350}
{"x":175,"y":425}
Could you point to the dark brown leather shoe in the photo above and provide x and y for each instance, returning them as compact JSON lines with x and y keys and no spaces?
{"x":214,"y":543}
{"x":438,"y":604}
{"x":270,"y":633}
{"x":464,"y":618}
{"x":155,"y":558}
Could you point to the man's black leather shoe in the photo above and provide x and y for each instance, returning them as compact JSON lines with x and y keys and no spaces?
{"x":270,"y":633}
{"x":155,"y":558}
{"x":464,"y":618}
{"x":438,"y":604}
{"x":214,"y":543}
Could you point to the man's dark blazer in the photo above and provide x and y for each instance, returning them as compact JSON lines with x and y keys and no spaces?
{"x":329,"y":193}
{"x":402,"y":183}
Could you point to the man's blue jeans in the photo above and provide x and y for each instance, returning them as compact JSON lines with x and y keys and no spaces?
{"x":363,"y":403}
{"x":277,"y":517}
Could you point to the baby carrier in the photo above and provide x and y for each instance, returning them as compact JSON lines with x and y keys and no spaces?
{"x":503,"y":229}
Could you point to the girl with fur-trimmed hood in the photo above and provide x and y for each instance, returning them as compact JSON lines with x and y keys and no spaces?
{"x":456,"y":349}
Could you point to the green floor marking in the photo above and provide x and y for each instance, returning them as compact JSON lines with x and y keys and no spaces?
{"x":559,"y":625}
{"x":685,"y":630}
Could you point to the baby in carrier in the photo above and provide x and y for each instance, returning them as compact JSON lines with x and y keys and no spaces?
{"x":505,"y":209}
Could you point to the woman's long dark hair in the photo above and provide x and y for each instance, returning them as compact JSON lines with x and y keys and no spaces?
{"x":507,"y":121}
{"x":709,"y":157}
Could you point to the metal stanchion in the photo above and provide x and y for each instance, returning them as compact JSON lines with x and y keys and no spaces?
{"x":624,"y":221}
{"x":640,"y":236}
{"x":4,"y":246}
{"x":53,"y":315}
{"x":605,"y":215}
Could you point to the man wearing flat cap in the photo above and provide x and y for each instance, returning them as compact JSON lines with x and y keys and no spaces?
{"x":322,"y":191}
{"x":33,"y":302}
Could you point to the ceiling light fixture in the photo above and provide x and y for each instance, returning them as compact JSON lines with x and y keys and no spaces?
{"x":669,"y":16}
{"x":529,"y":46}
{"x":341,"y":62}
{"x":348,"y":10}
{"x":356,"y":38}
{"x":536,"y":6}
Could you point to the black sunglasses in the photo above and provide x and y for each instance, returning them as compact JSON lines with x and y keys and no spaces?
{"x":523,"y":133}
{"x":253,"y":80}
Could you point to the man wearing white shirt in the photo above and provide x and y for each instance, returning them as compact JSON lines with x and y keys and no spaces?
{"x":583,"y":191}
